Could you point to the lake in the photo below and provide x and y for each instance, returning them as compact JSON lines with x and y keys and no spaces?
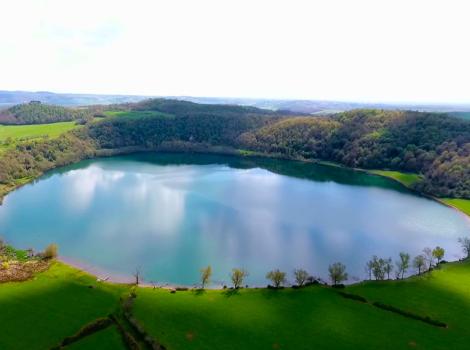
{"x":172,"y":214}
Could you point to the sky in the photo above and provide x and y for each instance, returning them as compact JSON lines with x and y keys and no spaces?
{"x":361,"y":50}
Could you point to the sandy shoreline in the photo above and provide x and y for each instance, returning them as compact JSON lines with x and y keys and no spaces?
{"x":105,"y":276}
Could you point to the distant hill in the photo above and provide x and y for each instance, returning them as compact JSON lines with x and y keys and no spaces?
{"x":35,"y":112}
{"x":326,"y":107}
{"x":9,"y":98}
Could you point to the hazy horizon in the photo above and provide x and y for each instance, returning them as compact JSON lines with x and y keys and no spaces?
{"x":365,"y":51}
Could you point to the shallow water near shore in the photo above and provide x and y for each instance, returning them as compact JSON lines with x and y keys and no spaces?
{"x":169,"y":215}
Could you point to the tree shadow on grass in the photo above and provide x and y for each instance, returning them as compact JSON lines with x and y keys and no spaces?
{"x":231,"y":292}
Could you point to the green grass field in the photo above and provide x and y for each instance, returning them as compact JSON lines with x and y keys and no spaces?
{"x":15,"y":133}
{"x":39,"y":313}
{"x":461,"y":204}
{"x":107,"y":339}
{"x":406,"y":179}
{"x":315,"y":317}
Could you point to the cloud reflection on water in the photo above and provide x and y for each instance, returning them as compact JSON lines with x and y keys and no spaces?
{"x":174,"y":219}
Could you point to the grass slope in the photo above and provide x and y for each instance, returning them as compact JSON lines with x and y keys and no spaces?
{"x":406,"y":179}
{"x":39,"y":313}
{"x":107,"y":339}
{"x":314,"y":317}
{"x":27,"y":132}
{"x":461,"y":204}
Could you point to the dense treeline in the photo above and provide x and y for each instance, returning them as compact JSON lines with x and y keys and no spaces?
{"x":38,"y":113}
{"x":32,"y":158}
{"x":434,"y":145}
{"x":179,"y":121}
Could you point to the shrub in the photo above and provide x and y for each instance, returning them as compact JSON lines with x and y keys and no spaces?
{"x":408,"y":314}
{"x":50,"y":252}
{"x":5,"y":265}
{"x":88,"y":329}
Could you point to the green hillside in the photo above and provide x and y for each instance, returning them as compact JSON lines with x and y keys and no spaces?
{"x":58,"y":302}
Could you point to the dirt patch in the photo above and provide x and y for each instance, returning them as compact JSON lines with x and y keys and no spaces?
{"x":20,"y":271}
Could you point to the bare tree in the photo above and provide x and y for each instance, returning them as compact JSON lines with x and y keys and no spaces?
{"x":137,"y":275}
{"x":388,"y":267}
{"x":301,"y":276}
{"x":465,"y":243}
{"x":427,"y":252}
{"x":369,"y":267}
{"x":337,"y":272}
{"x":277,"y":277}
{"x":419,"y":262}
{"x":237,"y":276}
{"x":206,"y":274}
{"x":403,"y":264}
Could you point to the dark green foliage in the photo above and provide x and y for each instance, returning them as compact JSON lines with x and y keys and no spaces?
{"x":435,"y":145}
{"x":408,"y":314}
{"x":91,"y":328}
{"x":31,"y":159}
{"x":37,"y":113}
{"x":178,"y":121}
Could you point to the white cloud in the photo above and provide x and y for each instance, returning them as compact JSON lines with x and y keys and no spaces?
{"x":337,"y":49}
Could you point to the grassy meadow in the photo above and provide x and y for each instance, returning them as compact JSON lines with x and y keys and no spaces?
{"x":461,"y":204}
{"x":314,"y":317}
{"x":39,"y":313}
{"x":11,"y":134}
{"x":406,"y":179}
{"x":58,"y":302}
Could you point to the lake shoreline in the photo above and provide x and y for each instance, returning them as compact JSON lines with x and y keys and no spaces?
{"x":223,"y":151}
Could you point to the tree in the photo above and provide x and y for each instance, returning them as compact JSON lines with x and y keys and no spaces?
{"x":427,"y":253}
{"x":438,"y":254}
{"x":465,"y":243}
{"x":369,"y":267}
{"x":206,"y":274}
{"x":378,"y":267}
{"x":419,"y":262}
{"x":277,"y":277}
{"x":403,"y":264}
{"x":388,"y":267}
{"x":137,"y":275}
{"x":337,"y":272}
{"x":51,"y":251}
{"x":301,"y":276}
{"x":237,"y":276}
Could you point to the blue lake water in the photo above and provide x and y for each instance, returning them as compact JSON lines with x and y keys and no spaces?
{"x":170,"y":215}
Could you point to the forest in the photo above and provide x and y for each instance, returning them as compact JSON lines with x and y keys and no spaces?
{"x":39,"y":113}
{"x":437,"y":146}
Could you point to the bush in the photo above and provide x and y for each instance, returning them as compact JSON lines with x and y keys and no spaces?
{"x":338,"y":286}
{"x":5,"y":265}
{"x":50,"y":252}
{"x":90,"y":328}
{"x":408,"y":314}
